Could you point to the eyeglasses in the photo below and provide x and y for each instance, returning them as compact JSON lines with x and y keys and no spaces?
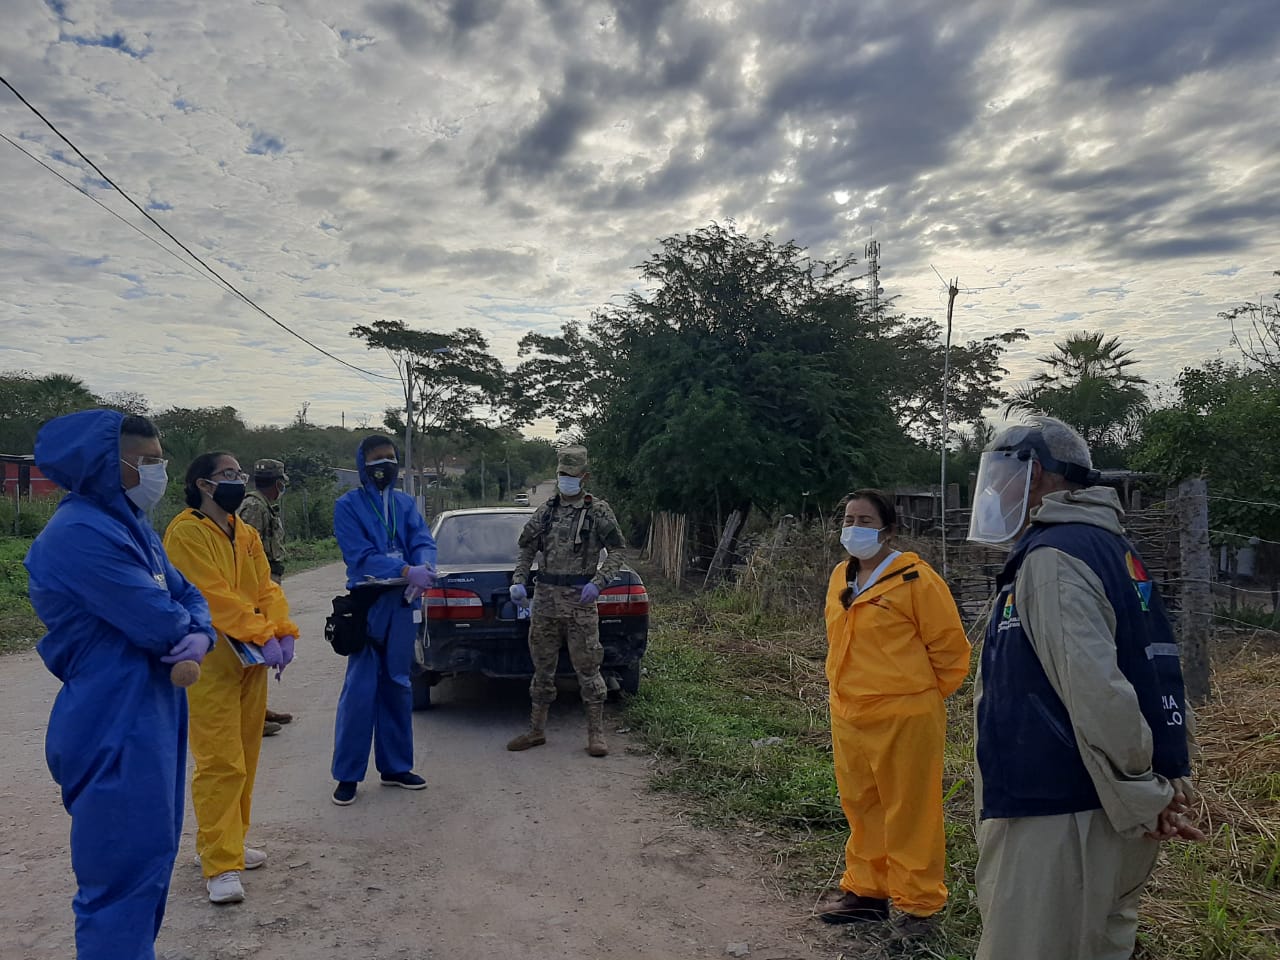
{"x":149,"y":462}
{"x":231,"y":476}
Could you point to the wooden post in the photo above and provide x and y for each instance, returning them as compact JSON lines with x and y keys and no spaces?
{"x":720,"y":562}
{"x":1196,"y":573}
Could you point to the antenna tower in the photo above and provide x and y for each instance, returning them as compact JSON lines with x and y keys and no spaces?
{"x":872,"y":250}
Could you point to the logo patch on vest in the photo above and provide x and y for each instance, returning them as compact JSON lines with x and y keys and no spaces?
{"x":1009,"y":614}
{"x":1141,"y":580}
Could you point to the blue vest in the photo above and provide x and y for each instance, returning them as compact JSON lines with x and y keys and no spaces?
{"x":1027,"y":750}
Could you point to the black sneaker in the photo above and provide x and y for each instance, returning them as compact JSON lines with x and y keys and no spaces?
{"x":345,"y":794}
{"x":852,"y":908}
{"x":410,"y":781}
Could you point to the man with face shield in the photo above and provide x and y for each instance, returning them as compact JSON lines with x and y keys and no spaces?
{"x":571,"y":530}
{"x":1081,"y":719}
{"x":118,"y":614}
{"x":383,"y":537}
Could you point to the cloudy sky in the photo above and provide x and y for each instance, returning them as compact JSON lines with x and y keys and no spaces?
{"x":506,"y":163}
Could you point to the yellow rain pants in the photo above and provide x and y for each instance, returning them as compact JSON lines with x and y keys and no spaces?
{"x":228,"y":705}
{"x":889,"y":771}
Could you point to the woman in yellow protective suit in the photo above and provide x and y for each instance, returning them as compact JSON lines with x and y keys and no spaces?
{"x":896,"y":650}
{"x":223,"y":557}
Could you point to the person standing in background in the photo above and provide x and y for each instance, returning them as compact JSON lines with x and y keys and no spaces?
{"x":571,"y":530}
{"x":382,"y":536}
{"x":261,"y":510}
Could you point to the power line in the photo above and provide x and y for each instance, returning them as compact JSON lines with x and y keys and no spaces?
{"x":125,"y":220}
{"x":191,"y":253}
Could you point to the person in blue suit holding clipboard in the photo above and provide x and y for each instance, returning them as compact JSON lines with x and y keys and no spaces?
{"x":383,"y":537}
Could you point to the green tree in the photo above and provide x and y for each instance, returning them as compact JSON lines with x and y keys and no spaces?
{"x":1223,"y":426}
{"x":457,"y":383}
{"x":28,"y":401}
{"x":1089,"y":384}
{"x":746,"y":374}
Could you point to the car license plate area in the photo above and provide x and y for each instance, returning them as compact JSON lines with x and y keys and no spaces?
{"x":508,"y":610}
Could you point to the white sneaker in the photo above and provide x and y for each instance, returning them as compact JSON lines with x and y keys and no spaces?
{"x":253,"y":859}
{"x":225,"y":888}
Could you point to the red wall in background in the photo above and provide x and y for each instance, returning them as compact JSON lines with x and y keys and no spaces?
{"x":18,"y":475}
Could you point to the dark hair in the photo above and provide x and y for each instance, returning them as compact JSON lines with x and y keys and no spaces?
{"x":888,"y":514}
{"x":201,"y":469}
{"x":376,"y":440}
{"x":139,"y":427}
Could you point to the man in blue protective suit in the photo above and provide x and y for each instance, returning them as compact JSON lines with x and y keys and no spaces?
{"x":118,"y":616}
{"x":383,"y":537}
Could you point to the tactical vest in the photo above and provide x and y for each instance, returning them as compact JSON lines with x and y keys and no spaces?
{"x":1027,"y":750}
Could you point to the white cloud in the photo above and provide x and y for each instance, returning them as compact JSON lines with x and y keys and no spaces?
{"x":506,"y":165}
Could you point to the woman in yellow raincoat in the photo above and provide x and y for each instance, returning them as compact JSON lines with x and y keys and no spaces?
{"x":896,"y":650}
{"x":223,"y":557}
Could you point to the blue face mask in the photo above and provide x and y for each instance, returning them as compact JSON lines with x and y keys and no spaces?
{"x":569,"y":486}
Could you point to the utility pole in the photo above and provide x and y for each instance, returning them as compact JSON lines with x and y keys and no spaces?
{"x":408,"y":428}
{"x":953,"y":291}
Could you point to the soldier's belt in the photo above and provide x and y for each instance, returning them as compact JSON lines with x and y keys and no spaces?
{"x":563,"y":579}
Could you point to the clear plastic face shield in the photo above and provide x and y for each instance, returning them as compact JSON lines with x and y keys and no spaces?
{"x":1003,"y":486}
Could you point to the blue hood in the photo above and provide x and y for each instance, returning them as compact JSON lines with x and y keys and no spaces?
{"x":364,"y":476}
{"x":81,"y":453}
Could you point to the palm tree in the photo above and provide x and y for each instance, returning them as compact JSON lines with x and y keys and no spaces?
{"x":1089,"y":386}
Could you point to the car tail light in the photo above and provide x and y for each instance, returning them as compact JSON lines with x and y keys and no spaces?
{"x":628,"y":601}
{"x":443,"y":604}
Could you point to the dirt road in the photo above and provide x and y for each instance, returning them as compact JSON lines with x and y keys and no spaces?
{"x":545,"y":854}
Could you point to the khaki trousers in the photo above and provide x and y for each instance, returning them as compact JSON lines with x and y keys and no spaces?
{"x":1060,"y":888}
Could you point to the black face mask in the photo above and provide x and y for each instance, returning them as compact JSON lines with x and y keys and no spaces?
{"x":383,"y":475}
{"x":229,"y":494}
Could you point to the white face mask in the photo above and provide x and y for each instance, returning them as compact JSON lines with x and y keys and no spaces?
{"x":153,"y":478}
{"x":861,"y":542}
{"x":569,"y":486}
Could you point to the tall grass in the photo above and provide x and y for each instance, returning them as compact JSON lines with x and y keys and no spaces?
{"x":735,"y":706}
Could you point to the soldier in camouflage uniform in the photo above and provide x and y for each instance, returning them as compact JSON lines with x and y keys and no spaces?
{"x":261,"y":510}
{"x":570,"y":529}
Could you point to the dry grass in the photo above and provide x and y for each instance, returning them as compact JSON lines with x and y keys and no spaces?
{"x":752,"y":661}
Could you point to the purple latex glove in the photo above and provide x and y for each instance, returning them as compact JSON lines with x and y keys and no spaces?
{"x":192,"y":647}
{"x":422,"y":577}
{"x":273,"y":654}
{"x":519,"y":595}
{"x":286,"y":647}
{"x":590,"y":594}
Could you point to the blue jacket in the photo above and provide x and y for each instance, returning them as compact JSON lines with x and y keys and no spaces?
{"x":370,"y":528}
{"x":1027,"y":750}
{"x":112,"y":602}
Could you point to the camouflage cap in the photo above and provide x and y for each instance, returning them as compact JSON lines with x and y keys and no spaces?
{"x":269,"y":470}
{"x":572,"y":461}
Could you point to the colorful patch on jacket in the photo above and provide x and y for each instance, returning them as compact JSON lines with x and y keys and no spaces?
{"x":1009,"y":614}
{"x":1141,"y":580}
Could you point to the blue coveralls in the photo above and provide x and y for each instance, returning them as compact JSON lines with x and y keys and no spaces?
{"x":378,"y":537}
{"x":113,"y":605}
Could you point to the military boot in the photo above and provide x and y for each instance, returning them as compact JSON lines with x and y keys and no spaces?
{"x":537,"y":734}
{"x":595,"y":730}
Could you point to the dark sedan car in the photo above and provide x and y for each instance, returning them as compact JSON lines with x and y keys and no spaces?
{"x":474,"y":627}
